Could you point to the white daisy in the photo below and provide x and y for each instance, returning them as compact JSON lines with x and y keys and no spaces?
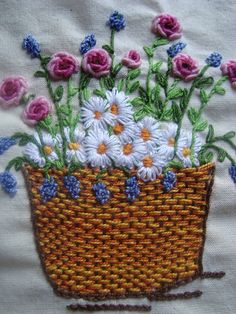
{"x":148,"y":130}
{"x":120,"y":106}
{"x":184,"y":152}
{"x":125,"y":132}
{"x":131,"y":153}
{"x":75,"y":147}
{"x":94,"y":113}
{"x":101,"y":149}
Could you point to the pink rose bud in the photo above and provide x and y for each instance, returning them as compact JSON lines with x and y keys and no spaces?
{"x":132,"y":59}
{"x":12,"y":89}
{"x":62,"y":65}
{"x":167,"y":26}
{"x":96,"y":62}
{"x":229,"y":68}
{"x":36,"y":110}
{"x":185,"y":67}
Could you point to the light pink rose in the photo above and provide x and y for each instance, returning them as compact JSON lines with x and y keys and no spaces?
{"x":36,"y":110}
{"x":185,"y":67}
{"x":62,"y":65}
{"x":12,"y":89}
{"x":167,"y":26}
{"x":132,"y":59}
{"x":96,"y":62}
{"x":229,"y":68}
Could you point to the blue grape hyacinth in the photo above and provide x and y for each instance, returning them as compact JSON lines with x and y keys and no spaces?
{"x":132,"y":188}
{"x":88,"y":43}
{"x":6,"y":143}
{"x":232,"y":173}
{"x":169,"y":181}
{"x":214,"y":59}
{"x":8,"y":183}
{"x":72,"y":184}
{"x":31,"y":45}
{"x":48,"y":189}
{"x":101,"y":192}
{"x":116,"y":21}
{"x":173,"y":50}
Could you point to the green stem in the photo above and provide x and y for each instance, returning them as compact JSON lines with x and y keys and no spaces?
{"x":112,"y":44}
{"x":150,"y":62}
{"x":227,"y":155}
{"x":39,"y":131}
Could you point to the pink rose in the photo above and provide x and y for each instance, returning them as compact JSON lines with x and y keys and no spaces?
{"x":132,"y":59}
{"x":36,"y":110}
{"x":167,"y":26}
{"x":229,"y":68}
{"x":185,"y":67}
{"x":12,"y":89}
{"x":62,"y":65}
{"x":96,"y":62}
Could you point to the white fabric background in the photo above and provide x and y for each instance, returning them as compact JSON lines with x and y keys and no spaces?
{"x":61,"y":25}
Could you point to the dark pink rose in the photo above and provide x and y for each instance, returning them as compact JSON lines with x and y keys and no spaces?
{"x":62,"y":65}
{"x":12,"y":89}
{"x":132,"y":59}
{"x":229,"y":68}
{"x":36,"y":110}
{"x":96,"y":62}
{"x":167,"y":26}
{"x":185,"y":67}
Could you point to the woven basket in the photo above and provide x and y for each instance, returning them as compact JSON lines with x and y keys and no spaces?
{"x":120,"y":249}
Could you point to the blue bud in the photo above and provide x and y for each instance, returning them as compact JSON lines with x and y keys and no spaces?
{"x":8,"y":182}
{"x":116,"y":21}
{"x":31,"y":45}
{"x":173,"y":50}
{"x":6,"y":143}
{"x":214,"y":59}
{"x":72,"y":184}
{"x":48,"y":189}
{"x":88,"y":43}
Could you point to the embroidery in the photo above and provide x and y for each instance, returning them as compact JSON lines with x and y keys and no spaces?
{"x":119,"y":189}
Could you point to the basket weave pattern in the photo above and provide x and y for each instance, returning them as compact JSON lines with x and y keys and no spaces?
{"x":118,"y":249}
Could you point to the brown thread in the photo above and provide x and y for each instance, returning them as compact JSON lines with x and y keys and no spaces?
{"x":175,"y":296}
{"x":109,"y":307}
{"x":213,"y":275}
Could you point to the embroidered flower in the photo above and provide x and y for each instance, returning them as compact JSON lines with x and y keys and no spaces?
{"x":101,"y":192}
{"x":185,"y":67}
{"x":101,"y":149}
{"x":75,"y":145}
{"x":88,"y":43}
{"x":72,"y":184}
{"x":167,"y":26}
{"x":132,"y":188}
{"x":6,"y":143}
{"x":184,"y":152}
{"x":31,"y":45}
{"x":214,"y":59}
{"x":36,"y":110}
{"x":169,"y":181}
{"x":150,"y":167}
{"x":125,"y":132}
{"x":8,"y":182}
{"x":147,"y":130}
{"x":48,"y":189}
{"x":62,"y":65}
{"x":116,"y":21}
{"x":131,"y":154}
{"x":173,"y":50}
{"x":94,"y":113}
{"x":229,"y":68}
{"x":132,"y":59}
{"x":232,"y":173}
{"x":96,"y":62}
{"x":12,"y":89}
{"x":120,"y":106}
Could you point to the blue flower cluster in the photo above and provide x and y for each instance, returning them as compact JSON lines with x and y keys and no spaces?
{"x":8,"y":182}
{"x":132,"y":189}
{"x":48,"y":189}
{"x":232,"y":173}
{"x":72,"y":184}
{"x":101,"y":192}
{"x":88,"y":43}
{"x":31,"y":45}
{"x":214,"y":59}
{"x":173,"y":50}
{"x":6,"y":143}
{"x":169,"y":181}
{"x":116,"y":21}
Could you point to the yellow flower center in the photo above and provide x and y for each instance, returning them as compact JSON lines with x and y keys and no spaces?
{"x":73,"y":146}
{"x":118,"y":128}
{"x":114,"y":109}
{"x":186,"y":151}
{"x":47,"y":150}
{"x":171,"y":141}
{"x":102,"y":148}
{"x":147,"y":161}
{"x":145,"y":134}
{"x":127,"y":149}
{"x":97,"y":115}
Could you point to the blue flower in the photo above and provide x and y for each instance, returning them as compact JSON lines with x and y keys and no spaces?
{"x":232,"y":173}
{"x":173,"y":50}
{"x":101,"y":192}
{"x":132,"y":189}
{"x":31,"y":45}
{"x":169,"y":181}
{"x":88,"y":43}
{"x":72,"y":184}
{"x":116,"y":21}
{"x":6,"y":143}
{"x":214,"y":59}
{"x":48,"y":189}
{"x":8,"y":182}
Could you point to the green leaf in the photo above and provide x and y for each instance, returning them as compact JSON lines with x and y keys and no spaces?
{"x":210,"y":134}
{"x":167,"y":114}
{"x":138,"y":115}
{"x":201,"y":126}
{"x":161,"y":79}
{"x":156,"y":67}
{"x":40,"y":74}
{"x":149,"y":51}
{"x":137,"y":101}
{"x":219,"y":90}
{"x":17,"y":163}
{"x":229,"y":135}
{"x":143,"y":94}
{"x":155,"y":93}
{"x":221,"y":155}
{"x":86,"y":94}
{"x":177,"y":114}
{"x":108,"y":82}
{"x":117,"y":69}
{"x":160,"y":42}
{"x":65,"y":109}
{"x":175,"y":92}
{"x":121,"y":84}
{"x":45,"y":60}
{"x":133,"y":87}
{"x":48,"y":120}
{"x":205,"y":156}
{"x":203,"y":96}
{"x":192,"y":115}
{"x":108,"y":49}
{"x":133,"y":74}
{"x":99,"y":93}
{"x":184,"y":100}
{"x":73,"y":91}
{"x":85,"y":81}
{"x":204,"y":82}
{"x":58,"y":93}
{"x":175,"y":164}
{"x":23,"y":138}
